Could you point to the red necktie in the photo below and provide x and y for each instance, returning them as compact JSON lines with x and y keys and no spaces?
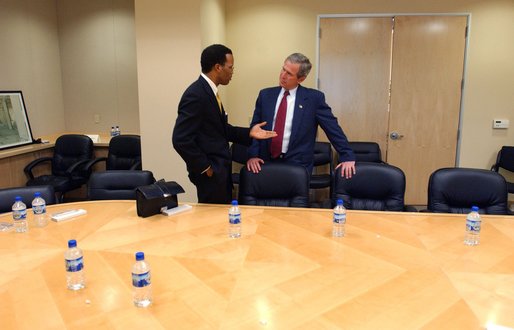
{"x":280,"y":121}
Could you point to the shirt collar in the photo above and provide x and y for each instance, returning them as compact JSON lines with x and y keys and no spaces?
{"x":209,"y":81}
{"x":292,"y":92}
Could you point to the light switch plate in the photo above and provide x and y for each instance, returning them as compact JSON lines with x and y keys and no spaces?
{"x":500,"y":123}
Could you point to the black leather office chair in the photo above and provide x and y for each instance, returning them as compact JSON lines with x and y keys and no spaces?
{"x":71,"y":153}
{"x":378,"y":187}
{"x":7,"y":196}
{"x":505,"y":160}
{"x":366,"y":151}
{"x":117,"y":184}
{"x":322,"y":157}
{"x":124,"y":154}
{"x":277,"y":184}
{"x":239,"y":154}
{"x":455,"y":190}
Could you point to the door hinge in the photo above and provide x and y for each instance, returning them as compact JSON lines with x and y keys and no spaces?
{"x":466,"y":32}
{"x":319,"y":33}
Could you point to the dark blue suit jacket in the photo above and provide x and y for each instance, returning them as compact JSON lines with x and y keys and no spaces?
{"x":202,"y":133}
{"x":310,"y":111}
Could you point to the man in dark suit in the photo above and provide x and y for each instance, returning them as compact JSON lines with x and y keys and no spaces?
{"x":202,"y":131}
{"x":305,"y":109}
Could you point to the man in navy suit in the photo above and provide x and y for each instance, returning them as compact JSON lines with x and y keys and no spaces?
{"x":306,"y":109}
{"x":202,"y":131}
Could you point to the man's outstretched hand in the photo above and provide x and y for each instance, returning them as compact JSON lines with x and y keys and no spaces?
{"x":258,"y":133}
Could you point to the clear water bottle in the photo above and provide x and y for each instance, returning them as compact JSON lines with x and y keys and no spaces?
{"x":113,"y":131}
{"x":74,"y":262}
{"x":234,"y":220}
{"x":338,"y":229}
{"x":141,"y":281}
{"x":19,"y":215}
{"x":473,"y":224}
{"x":117,"y":131}
{"x":39,"y":210}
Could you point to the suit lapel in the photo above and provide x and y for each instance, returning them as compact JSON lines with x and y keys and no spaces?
{"x":299,"y":110}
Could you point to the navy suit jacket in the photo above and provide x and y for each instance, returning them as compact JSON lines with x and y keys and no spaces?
{"x":310,"y":111}
{"x":202,"y":132}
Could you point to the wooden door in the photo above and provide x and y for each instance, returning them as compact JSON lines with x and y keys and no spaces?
{"x":412,"y":88}
{"x":354,"y":72}
{"x":426,"y":80}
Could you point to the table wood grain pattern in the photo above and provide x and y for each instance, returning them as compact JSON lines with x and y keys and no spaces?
{"x":390,"y":271}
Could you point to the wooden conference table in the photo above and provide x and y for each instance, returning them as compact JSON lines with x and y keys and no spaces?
{"x":391,"y":271}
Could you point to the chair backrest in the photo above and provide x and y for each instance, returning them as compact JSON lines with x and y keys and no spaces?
{"x":366,"y":151}
{"x":322,"y":153}
{"x":277,"y":184}
{"x":69,"y":149}
{"x":117,"y":184}
{"x":7,"y":196}
{"x":124,"y":153}
{"x":378,"y":187}
{"x":505,"y":159}
{"x":455,"y":190}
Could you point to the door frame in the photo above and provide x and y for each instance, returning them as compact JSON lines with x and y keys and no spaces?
{"x":464,"y":69}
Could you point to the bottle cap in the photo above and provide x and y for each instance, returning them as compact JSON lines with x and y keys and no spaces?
{"x":72,"y":243}
{"x":37,"y":194}
{"x":339,"y":202}
{"x":140,"y":256}
{"x":234,"y":203}
{"x":17,"y":199}
{"x":474,"y":208}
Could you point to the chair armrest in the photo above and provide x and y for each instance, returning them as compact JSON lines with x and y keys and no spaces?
{"x":30,"y":166}
{"x":136,"y":166}
{"x":91,"y":163}
{"x":80,"y":165}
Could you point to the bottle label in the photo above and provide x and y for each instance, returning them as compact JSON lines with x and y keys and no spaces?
{"x":340,"y":218}
{"x":234,"y":219}
{"x":19,"y":214}
{"x":39,"y":209}
{"x":141,"y":280}
{"x":473,"y":225}
{"x":74,"y":265}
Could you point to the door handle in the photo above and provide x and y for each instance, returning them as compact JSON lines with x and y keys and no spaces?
{"x":395,"y":136}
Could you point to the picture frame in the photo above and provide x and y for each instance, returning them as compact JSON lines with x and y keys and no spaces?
{"x":14,"y":123}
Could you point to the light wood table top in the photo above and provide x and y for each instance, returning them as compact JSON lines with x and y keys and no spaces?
{"x":391,"y":271}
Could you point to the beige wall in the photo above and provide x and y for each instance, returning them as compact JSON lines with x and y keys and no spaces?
{"x":30,"y":61}
{"x":262,"y":33}
{"x":168,"y":37}
{"x":98,"y":60}
{"x":94,"y":41}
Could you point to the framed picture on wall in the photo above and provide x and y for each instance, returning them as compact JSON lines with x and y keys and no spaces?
{"x":14,"y":123}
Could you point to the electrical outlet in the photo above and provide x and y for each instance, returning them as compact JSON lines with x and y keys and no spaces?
{"x":96,"y":118}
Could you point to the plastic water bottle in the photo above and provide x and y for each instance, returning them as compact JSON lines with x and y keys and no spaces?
{"x":117,"y":131}
{"x":39,"y":210}
{"x":19,"y":215}
{"x":74,"y":262}
{"x":113,"y":131}
{"x":473,"y":224}
{"x":141,"y":281}
{"x":338,"y":229}
{"x":234,"y":220}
